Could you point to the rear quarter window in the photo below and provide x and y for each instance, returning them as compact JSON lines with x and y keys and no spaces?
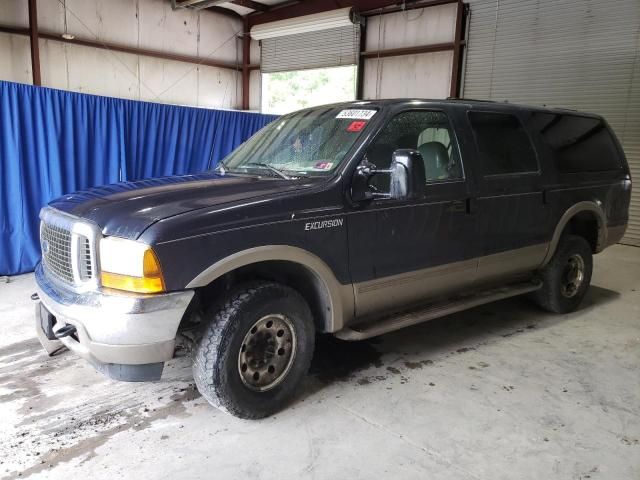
{"x":504,"y":147}
{"x":577,"y":143}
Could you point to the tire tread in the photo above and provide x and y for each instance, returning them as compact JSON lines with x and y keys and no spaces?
{"x":549,"y":297}
{"x":214,"y":339}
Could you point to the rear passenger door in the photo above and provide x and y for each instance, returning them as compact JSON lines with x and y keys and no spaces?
{"x":512,"y":215}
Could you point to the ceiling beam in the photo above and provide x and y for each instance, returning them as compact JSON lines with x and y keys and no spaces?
{"x":204,"y":3}
{"x":297,"y":8}
{"x":257,"y":6}
{"x":410,"y":5}
{"x":209,"y":5}
{"x":278,"y":6}
{"x":225,"y":11}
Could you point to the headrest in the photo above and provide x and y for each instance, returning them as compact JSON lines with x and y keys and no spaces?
{"x":434,"y":152}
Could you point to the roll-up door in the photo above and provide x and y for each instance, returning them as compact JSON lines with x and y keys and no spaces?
{"x":334,"y":47}
{"x":327,"y":39}
{"x":564,"y":53}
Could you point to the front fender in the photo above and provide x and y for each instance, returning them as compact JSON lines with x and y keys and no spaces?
{"x":340,"y":297}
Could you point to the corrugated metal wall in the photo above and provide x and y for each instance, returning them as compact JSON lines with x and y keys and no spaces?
{"x":570,"y":53}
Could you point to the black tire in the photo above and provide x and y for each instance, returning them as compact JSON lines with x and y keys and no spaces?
{"x":218,"y":359}
{"x":555,"y":294}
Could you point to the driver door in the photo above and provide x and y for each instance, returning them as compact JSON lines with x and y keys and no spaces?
{"x":405,"y":252}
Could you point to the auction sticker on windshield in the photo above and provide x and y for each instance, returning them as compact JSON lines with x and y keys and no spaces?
{"x":356,"y":114}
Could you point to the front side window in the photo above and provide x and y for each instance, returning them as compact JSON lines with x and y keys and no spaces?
{"x":503,"y":144}
{"x":428,"y":132}
{"x":309,"y":142}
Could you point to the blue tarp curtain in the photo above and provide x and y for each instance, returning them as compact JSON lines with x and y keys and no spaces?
{"x":54,"y":142}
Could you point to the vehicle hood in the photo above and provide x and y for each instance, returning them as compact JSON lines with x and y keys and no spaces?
{"x":127,"y":209}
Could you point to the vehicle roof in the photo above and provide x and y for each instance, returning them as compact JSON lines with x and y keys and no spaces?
{"x":461,"y":102}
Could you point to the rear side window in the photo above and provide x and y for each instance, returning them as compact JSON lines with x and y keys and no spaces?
{"x":503,"y":144}
{"x":577,"y":144}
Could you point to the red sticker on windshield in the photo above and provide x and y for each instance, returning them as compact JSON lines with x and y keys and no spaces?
{"x":356,"y":126}
{"x":323,"y":165}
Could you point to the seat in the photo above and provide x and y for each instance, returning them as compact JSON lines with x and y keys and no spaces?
{"x":436,"y":160}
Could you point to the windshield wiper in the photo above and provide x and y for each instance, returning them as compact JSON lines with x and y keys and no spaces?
{"x":272,"y":169}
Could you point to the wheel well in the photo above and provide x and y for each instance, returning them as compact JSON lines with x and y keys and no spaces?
{"x":584,"y":224}
{"x":295,"y":275}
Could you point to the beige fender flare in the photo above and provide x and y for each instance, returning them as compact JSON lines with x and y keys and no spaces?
{"x":586,"y":206}
{"x":339,"y":298}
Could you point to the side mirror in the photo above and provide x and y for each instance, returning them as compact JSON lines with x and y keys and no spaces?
{"x":407,"y":177}
{"x":360,"y":185}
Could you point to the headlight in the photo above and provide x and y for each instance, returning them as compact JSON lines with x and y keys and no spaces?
{"x":129,"y":265}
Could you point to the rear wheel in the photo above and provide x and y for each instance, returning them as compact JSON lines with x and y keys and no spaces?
{"x":567,"y":276}
{"x":255,"y":350}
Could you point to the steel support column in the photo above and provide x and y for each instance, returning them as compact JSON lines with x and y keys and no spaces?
{"x":33,"y":37}
{"x":457,"y":52}
{"x":361,"y":62}
{"x":246,"y":60}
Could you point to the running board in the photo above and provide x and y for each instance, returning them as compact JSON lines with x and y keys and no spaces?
{"x":437,"y":310}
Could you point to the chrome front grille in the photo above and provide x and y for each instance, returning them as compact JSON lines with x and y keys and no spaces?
{"x":56,"y":251}
{"x":68,"y":252}
{"x":84,"y":261}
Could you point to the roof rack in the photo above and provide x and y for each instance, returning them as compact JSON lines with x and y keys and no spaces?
{"x":477,"y":100}
{"x":561,"y":108}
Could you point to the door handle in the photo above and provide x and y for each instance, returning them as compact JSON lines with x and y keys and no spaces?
{"x":457,"y":206}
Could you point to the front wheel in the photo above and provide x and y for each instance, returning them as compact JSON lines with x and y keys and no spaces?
{"x":255,"y":350}
{"x":567,"y":276}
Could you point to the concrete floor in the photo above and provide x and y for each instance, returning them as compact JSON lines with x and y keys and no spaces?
{"x":500,"y":391}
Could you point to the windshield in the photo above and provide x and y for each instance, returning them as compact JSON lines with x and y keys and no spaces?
{"x":302,"y":143}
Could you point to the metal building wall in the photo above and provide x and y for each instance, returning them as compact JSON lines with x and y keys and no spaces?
{"x":150,"y":24}
{"x":577,"y":54}
{"x":422,"y":75}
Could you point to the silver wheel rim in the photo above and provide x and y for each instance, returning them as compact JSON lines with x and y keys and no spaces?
{"x":572,"y":276}
{"x":267,"y":352}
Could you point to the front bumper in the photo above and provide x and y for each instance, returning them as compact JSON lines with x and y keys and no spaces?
{"x":124,"y":335}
